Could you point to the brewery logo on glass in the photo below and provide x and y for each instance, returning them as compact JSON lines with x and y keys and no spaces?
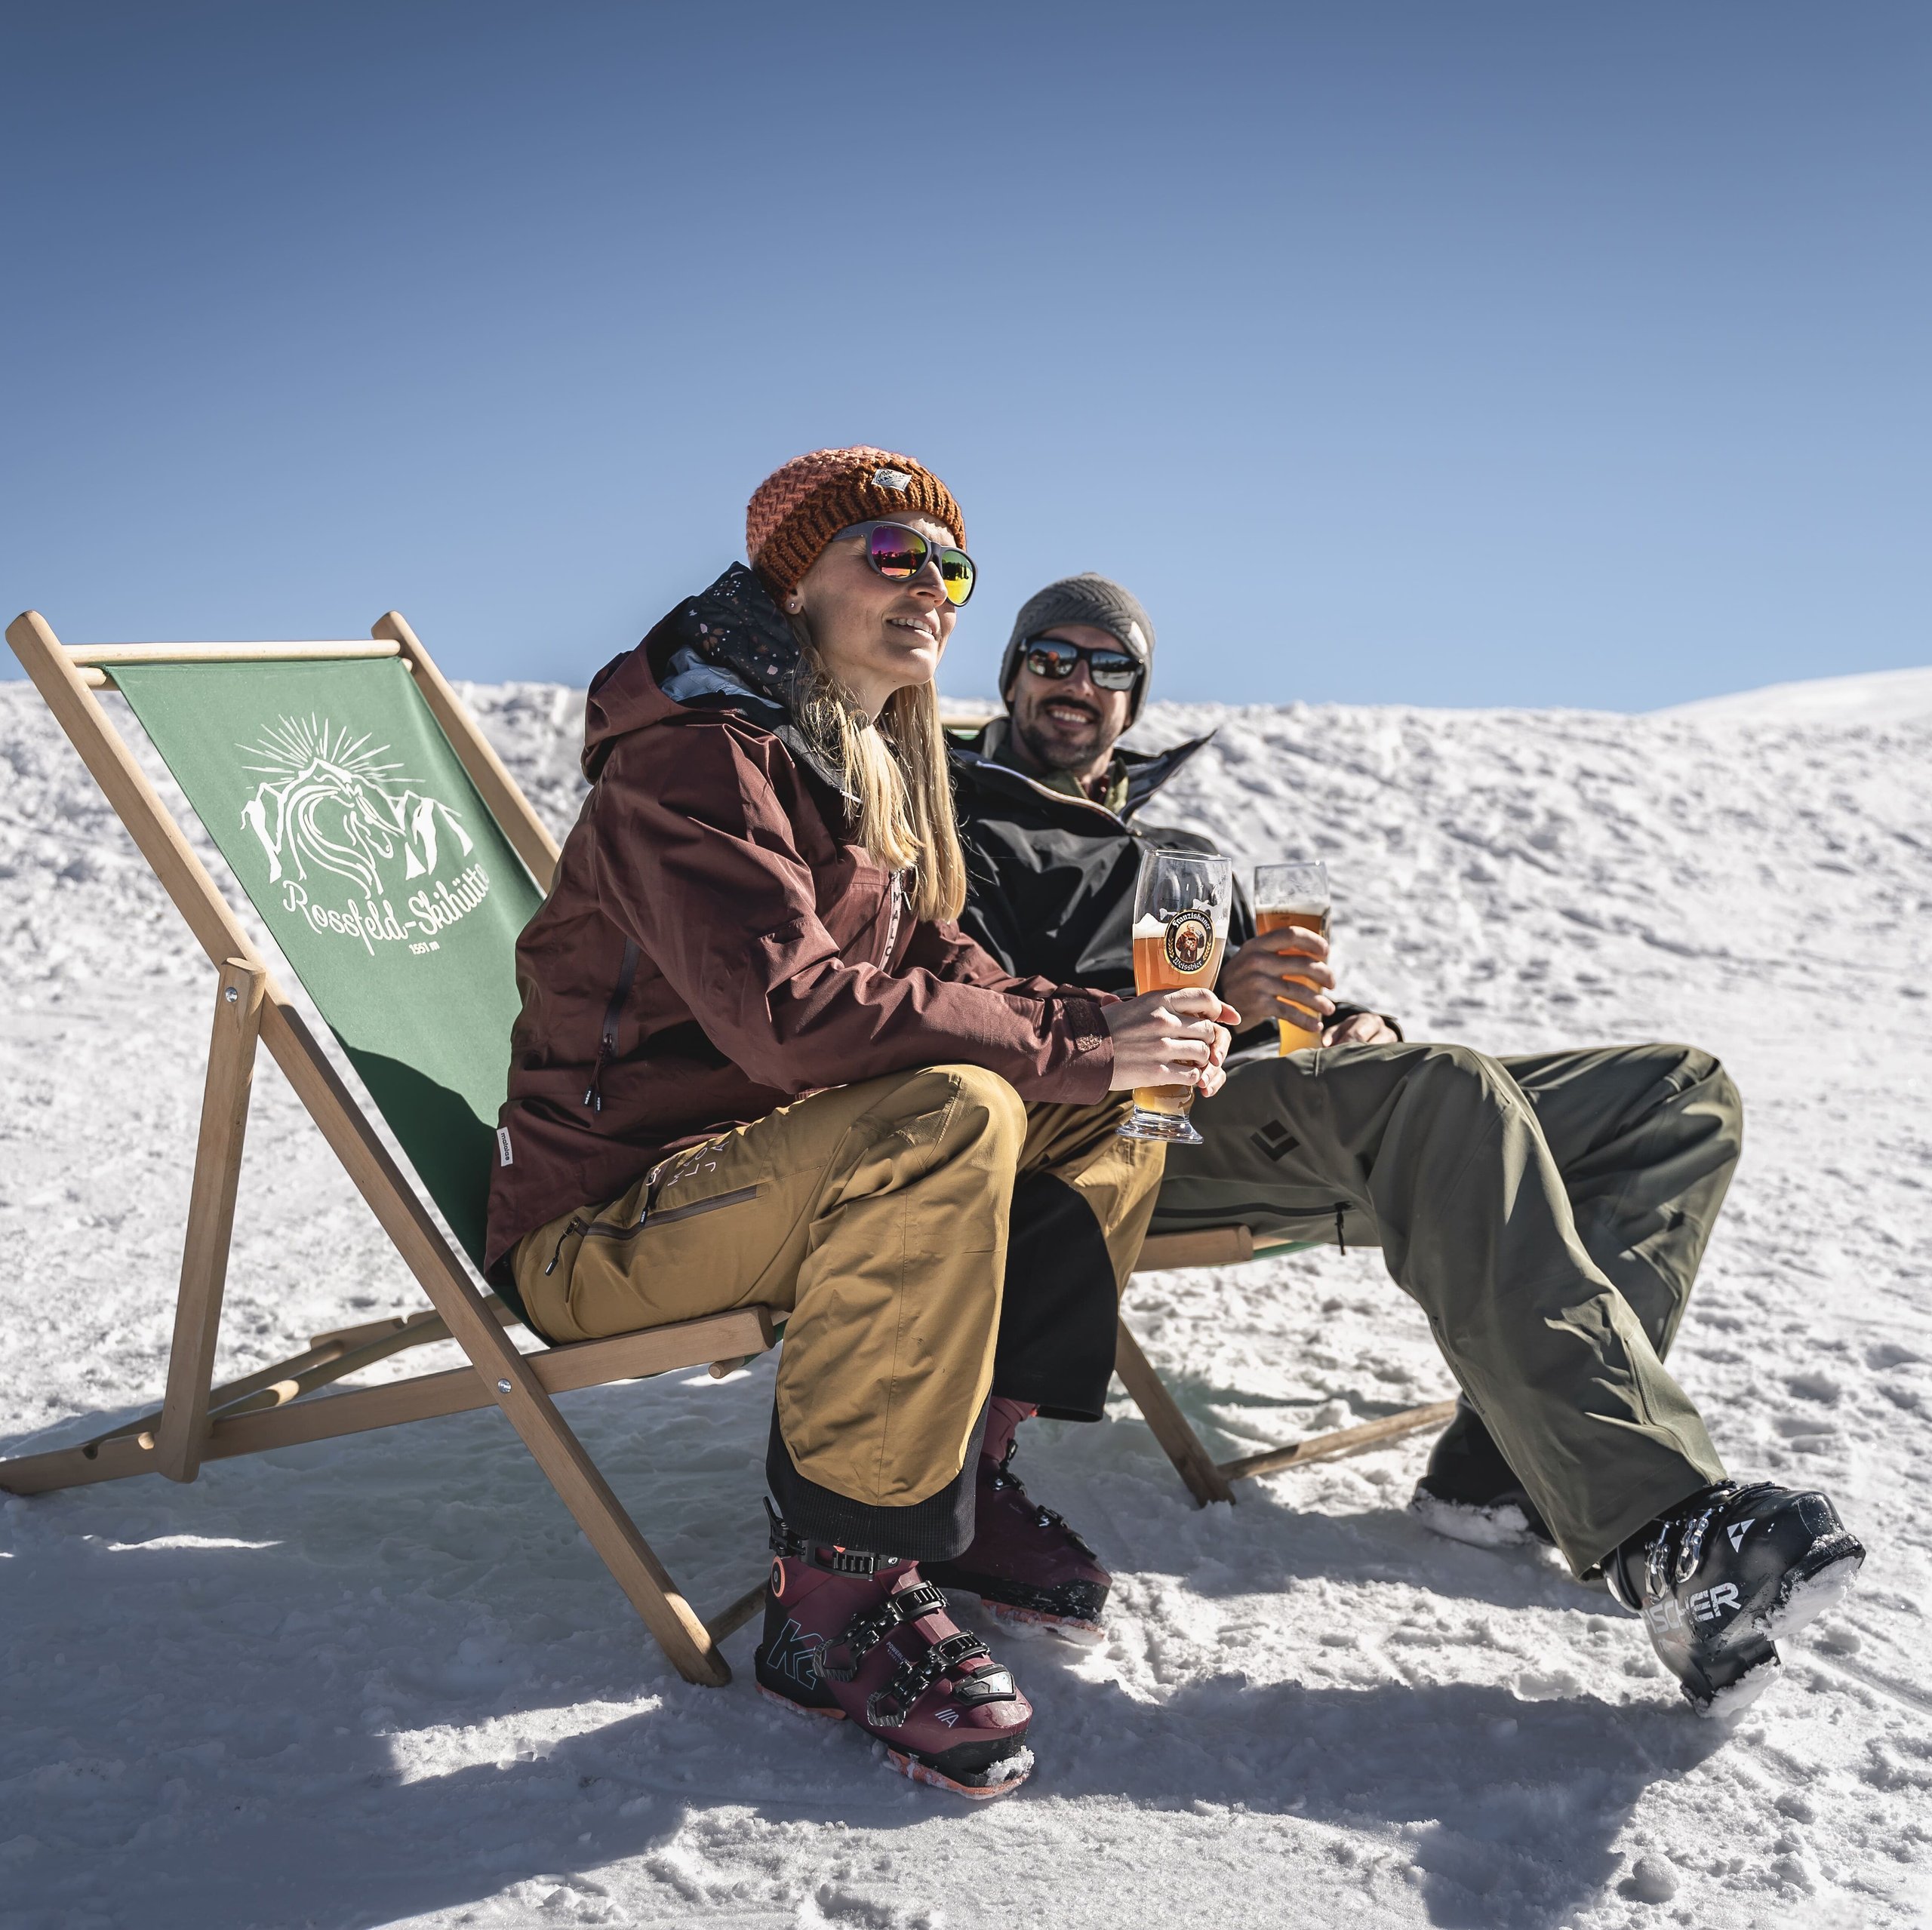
{"x":346,"y":834}
{"x":1189,"y":940}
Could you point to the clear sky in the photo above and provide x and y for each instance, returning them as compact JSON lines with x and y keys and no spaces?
{"x":1451,"y":352}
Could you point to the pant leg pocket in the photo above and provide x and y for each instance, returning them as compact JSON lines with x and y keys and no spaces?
{"x":636,"y":1269}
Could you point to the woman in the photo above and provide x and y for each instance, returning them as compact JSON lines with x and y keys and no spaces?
{"x":758,"y":1064}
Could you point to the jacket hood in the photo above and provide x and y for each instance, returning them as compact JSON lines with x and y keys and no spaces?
{"x":1147,"y":771}
{"x":733,"y":625}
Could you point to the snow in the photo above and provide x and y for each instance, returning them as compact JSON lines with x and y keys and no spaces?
{"x":383,"y":1680}
{"x":1877,"y":697}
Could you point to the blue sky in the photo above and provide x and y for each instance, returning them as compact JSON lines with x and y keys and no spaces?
{"x":1439,"y":353}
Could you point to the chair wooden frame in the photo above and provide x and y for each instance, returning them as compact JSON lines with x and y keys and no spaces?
{"x":197,"y":1422}
{"x":276,"y":1407}
{"x":1208,"y":1479}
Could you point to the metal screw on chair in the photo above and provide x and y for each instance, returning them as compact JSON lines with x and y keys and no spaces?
{"x":232,"y":995}
{"x":502,"y":1387}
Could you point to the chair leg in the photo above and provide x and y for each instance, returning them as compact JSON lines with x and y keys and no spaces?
{"x":692,"y":1650}
{"x":636,"y":1570}
{"x":1347,"y":1440}
{"x":184,"y":1412}
{"x":729,"y":1621}
{"x":1170,"y":1427}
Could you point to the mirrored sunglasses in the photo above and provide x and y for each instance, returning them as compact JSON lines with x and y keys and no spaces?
{"x":1054,"y":657}
{"x":900,"y":554}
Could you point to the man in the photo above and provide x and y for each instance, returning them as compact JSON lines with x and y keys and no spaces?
{"x":1548,"y":1212}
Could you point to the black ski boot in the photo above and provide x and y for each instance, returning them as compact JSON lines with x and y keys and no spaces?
{"x":1469,"y":1493}
{"x":1724,"y":1573}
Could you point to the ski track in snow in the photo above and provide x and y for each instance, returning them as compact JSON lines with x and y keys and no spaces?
{"x":383,"y":1680}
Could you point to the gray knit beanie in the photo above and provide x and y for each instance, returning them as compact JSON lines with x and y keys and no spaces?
{"x":1085,"y":598}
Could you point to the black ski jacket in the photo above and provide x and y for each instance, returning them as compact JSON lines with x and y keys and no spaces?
{"x":1049,"y":877}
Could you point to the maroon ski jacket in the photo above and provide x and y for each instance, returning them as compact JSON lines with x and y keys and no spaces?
{"x":714,"y":946}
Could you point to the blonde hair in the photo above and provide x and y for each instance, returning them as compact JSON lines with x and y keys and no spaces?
{"x":895,"y":773}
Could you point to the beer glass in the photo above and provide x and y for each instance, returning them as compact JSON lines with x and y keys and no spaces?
{"x":1295,"y":895}
{"x":1181,"y":905}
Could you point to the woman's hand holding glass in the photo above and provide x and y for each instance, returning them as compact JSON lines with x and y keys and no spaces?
{"x":1170,"y":1038}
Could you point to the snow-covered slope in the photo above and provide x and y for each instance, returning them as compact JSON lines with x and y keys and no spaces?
{"x":1882,"y":697}
{"x":382,"y":1679}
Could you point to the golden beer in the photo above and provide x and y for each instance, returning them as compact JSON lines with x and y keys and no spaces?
{"x":1294,"y":895}
{"x":1160,"y":957}
{"x":1182,"y":903}
{"x":1294,"y":1038}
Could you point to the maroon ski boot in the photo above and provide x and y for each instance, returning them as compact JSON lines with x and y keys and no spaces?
{"x":1025,"y":1563}
{"x":849,"y":1635}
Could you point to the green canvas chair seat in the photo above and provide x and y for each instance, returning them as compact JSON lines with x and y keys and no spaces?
{"x":366,"y":851}
{"x":394,"y":861}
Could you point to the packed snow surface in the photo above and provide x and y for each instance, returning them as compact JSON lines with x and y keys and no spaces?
{"x":383,"y":1680}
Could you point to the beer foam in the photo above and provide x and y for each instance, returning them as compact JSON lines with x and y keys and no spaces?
{"x":1150,"y":926}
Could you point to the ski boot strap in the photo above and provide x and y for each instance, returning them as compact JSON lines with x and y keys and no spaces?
{"x":1665,"y":1554}
{"x":1004,"y":1477}
{"x":887,"y":1708}
{"x":830,"y":1559}
{"x":870,"y":1627}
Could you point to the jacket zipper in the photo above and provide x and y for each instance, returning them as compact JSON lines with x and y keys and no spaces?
{"x":892,"y":926}
{"x":606,"y":1037}
{"x":594,"y":1229}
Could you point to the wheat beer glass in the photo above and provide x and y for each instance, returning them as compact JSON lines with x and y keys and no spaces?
{"x":1295,"y":895}
{"x":1180,"y":926}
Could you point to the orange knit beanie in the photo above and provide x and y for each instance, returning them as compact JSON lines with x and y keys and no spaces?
{"x":796,"y":511}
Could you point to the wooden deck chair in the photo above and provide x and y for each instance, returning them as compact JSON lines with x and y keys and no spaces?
{"x":337,"y":778}
{"x":1208,"y":1479}
{"x":394,"y":860}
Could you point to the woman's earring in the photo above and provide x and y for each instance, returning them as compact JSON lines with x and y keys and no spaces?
{"x":795,"y":606}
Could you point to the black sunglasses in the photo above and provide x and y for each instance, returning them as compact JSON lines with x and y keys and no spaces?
{"x":1054,"y":657}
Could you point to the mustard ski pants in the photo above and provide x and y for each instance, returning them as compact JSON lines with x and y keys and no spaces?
{"x":930,"y":1239}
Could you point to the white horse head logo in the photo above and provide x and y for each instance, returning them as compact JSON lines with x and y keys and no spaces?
{"x":331,"y":803}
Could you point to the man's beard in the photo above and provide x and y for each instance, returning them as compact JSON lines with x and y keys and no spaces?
{"x":1056,"y":752}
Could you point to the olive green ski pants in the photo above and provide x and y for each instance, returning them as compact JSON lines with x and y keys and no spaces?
{"x":1547,"y":1213}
